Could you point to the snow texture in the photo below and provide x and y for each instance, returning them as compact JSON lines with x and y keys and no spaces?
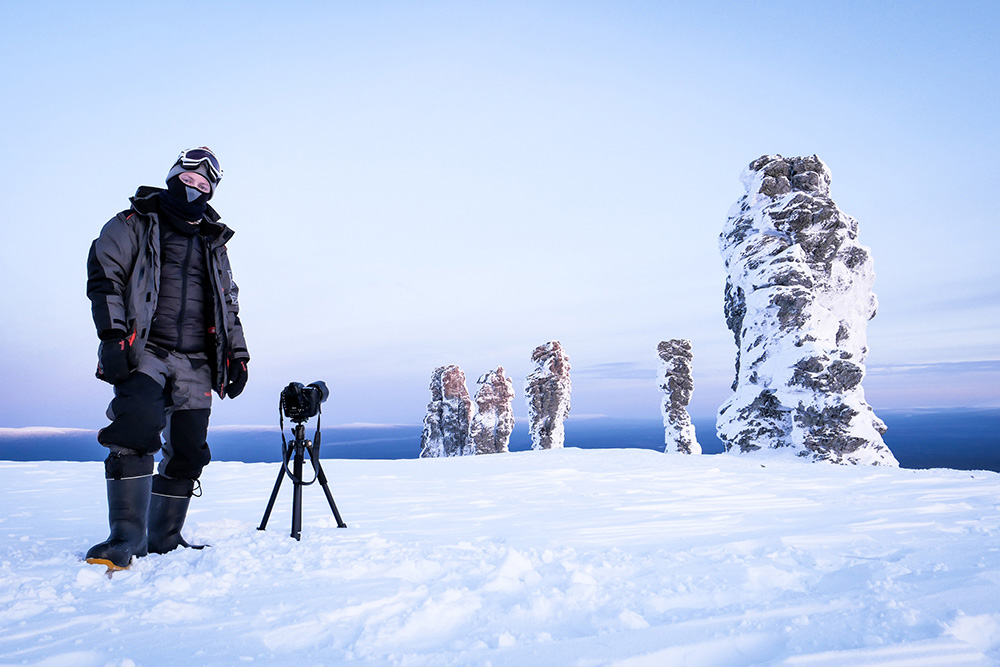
{"x":446,"y":425}
{"x":493,"y":419}
{"x":798,"y":300}
{"x":676,"y":381}
{"x":547,"y":391}
{"x":564,"y":557}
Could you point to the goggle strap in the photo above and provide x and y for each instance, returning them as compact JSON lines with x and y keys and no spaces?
{"x":203,"y":156}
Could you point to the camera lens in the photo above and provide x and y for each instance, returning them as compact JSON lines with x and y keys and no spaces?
{"x":320,"y":386}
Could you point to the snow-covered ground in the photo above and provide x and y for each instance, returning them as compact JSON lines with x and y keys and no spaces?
{"x":566,"y":557}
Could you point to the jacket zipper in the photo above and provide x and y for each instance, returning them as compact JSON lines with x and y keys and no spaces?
{"x":184,"y":290}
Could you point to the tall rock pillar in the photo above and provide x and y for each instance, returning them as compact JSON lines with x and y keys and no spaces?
{"x":547,"y":392}
{"x":676,"y":381}
{"x":446,"y":425}
{"x":493,"y":419}
{"x":798,"y":300}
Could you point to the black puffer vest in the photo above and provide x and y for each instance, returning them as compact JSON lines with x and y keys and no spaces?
{"x":183,"y":309}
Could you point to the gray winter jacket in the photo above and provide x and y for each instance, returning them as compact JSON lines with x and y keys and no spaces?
{"x":123,"y":277}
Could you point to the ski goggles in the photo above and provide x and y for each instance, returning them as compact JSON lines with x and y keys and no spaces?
{"x":192,"y":158}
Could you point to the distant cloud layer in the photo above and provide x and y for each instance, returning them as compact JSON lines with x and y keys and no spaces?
{"x":619,"y":370}
{"x":943,"y":367}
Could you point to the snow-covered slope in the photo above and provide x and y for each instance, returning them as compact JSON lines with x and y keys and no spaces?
{"x":560,"y":557}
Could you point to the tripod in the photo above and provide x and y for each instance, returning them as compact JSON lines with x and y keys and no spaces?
{"x":297,"y":449}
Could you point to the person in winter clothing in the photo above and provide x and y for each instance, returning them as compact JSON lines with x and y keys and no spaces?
{"x":166,"y":309}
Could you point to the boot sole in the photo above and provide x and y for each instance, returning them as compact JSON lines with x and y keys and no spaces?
{"x":112,"y":568}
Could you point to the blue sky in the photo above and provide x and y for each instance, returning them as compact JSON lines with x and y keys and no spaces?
{"x":420,"y":184}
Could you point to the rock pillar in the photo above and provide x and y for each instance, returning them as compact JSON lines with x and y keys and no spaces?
{"x":446,"y":425}
{"x":798,"y":300}
{"x":677,"y":383}
{"x":547,"y":392}
{"x":493,"y":419}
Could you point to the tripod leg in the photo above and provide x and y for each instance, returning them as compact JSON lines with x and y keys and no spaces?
{"x":297,"y":494}
{"x":329,"y":496}
{"x":274,"y":494}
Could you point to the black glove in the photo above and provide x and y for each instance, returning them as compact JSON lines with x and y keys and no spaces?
{"x":114,"y":359}
{"x":237,"y":377}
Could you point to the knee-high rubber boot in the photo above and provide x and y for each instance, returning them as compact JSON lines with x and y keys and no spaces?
{"x":129,"y":480}
{"x":167,"y":511}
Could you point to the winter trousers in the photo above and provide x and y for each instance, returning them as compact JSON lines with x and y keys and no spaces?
{"x":169,"y":393}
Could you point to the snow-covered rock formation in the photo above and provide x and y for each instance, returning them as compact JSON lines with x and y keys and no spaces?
{"x":446,"y":425}
{"x":547,"y":391}
{"x":677,"y":383}
{"x":798,"y":300}
{"x":493,"y":419}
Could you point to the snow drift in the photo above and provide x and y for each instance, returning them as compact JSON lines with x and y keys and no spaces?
{"x":560,"y":557}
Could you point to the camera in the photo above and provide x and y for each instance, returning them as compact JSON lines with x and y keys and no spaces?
{"x":301,"y":403}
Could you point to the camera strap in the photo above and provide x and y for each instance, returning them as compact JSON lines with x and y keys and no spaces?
{"x":286,"y":455}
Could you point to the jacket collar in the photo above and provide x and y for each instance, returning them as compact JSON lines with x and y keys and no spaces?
{"x":144,"y":201}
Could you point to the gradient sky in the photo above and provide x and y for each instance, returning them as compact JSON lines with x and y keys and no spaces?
{"x":426,"y":183}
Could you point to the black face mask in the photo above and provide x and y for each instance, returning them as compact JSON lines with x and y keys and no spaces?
{"x":185,"y":202}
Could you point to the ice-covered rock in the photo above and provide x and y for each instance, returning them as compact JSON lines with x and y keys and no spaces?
{"x":677,"y":383}
{"x":798,"y":299}
{"x":446,"y":425}
{"x":493,"y":418}
{"x":547,"y":391}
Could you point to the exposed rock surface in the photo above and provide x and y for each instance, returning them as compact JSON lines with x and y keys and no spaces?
{"x":446,"y":425}
{"x":677,"y":383}
{"x":547,"y":392}
{"x":798,"y":300}
{"x":493,"y":419}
